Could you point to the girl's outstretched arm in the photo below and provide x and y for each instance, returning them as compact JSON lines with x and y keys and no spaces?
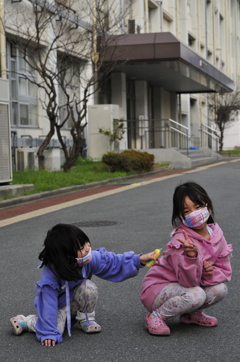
{"x":116,"y":267}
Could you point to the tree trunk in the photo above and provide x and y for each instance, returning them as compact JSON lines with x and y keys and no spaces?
{"x":74,"y":154}
{"x":221,"y":142}
{"x":40,"y":152}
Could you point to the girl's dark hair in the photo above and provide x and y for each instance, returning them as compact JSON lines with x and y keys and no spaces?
{"x":196,"y":194}
{"x":60,"y":248}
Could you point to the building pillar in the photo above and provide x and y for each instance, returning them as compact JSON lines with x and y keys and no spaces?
{"x":141,"y":92}
{"x":158,"y":140}
{"x":119,"y":97}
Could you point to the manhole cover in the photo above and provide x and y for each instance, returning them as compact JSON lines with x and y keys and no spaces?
{"x":95,"y":223}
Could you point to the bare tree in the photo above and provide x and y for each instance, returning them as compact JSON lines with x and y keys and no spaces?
{"x":222,"y":110}
{"x":58,"y":42}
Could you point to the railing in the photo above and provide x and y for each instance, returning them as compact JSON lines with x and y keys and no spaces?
{"x":209,"y":137}
{"x":156,"y":133}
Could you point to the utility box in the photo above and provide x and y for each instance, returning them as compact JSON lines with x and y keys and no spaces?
{"x":100,"y":116}
{"x":26,"y":158}
{"x":5,"y":134}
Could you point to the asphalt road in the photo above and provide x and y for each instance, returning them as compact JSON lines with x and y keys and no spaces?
{"x":137,"y":219}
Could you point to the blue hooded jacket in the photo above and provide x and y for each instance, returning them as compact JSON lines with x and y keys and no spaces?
{"x":54,"y":293}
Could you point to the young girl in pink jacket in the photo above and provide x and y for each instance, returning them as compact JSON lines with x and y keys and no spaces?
{"x":191,"y":274}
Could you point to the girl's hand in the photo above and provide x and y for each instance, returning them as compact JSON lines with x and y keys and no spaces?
{"x":48,"y":343}
{"x":147,"y":257}
{"x":208,"y":267}
{"x":190,"y":249}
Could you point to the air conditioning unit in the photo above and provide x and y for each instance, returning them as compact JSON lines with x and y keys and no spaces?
{"x":5,"y":134}
{"x":26,"y":158}
{"x":98,"y":144}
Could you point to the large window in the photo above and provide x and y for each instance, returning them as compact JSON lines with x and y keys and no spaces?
{"x":23,"y":92}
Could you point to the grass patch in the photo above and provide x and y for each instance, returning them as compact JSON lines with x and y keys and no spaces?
{"x":232,"y":152}
{"x":84,"y":171}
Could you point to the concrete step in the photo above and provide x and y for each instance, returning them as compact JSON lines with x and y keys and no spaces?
{"x":199,"y":157}
{"x":202,"y":161}
{"x":8,"y":191}
{"x":192,"y":154}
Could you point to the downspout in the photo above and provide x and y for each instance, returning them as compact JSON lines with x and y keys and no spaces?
{"x":161,"y":15}
{"x":95,"y":54}
{"x":214,"y":12}
{"x":199,"y":51}
{"x":147,"y":17}
{"x":3,"y":73}
{"x":206,"y":42}
{"x":227,"y":40}
{"x":94,"y":30}
{"x":177,"y":18}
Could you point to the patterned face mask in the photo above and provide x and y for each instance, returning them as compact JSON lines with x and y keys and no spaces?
{"x":86,"y":259}
{"x":196,"y":218}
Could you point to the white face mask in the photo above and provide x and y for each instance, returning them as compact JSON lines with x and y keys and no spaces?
{"x":86,"y":259}
{"x":196,"y":218}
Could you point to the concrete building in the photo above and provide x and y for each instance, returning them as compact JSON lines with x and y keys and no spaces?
{"x":168,"y":56}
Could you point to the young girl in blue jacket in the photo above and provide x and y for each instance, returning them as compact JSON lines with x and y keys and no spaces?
{"x":65,"y":293}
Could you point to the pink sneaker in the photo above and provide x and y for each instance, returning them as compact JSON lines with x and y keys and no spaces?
{"x":199,"y":318}
{"x":156,"y":326}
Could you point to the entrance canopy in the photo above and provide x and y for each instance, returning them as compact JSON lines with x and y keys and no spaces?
{"x":163,"y":61}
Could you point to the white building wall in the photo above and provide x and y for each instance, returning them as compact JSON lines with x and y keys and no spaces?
{"x":213,"y":28}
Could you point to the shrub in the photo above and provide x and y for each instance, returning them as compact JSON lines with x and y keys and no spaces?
{"x":129,"y":160}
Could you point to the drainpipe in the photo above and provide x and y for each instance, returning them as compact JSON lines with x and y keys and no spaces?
{"x":206,"y":42}
{"x":95,"y":54}
{"x":177,"y":19}
{"x":199,"y":51}
{"x":214,"y":12}
{"x":227,"y":57}
{"x":3,"y":73}
{"x":146,"y":17}
{"x":94,"y":30}
{"x":161,"y":15}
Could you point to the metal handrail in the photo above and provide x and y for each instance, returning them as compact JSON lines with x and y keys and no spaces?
{"x":174,"y":133}
{"x":177,"y":130}
{"x":185,"y":134}
{"x":213,"y":134}
{"x":179,"y":124}
{"x":210,"y":128}
{"x":210,"y":134}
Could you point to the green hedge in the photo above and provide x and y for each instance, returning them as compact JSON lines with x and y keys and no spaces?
{"x":128,"y":161}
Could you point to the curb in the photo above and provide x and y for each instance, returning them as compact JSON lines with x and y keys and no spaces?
{"x":69,"y":190}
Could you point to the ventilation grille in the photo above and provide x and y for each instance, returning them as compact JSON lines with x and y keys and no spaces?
{"x":5,"y":154}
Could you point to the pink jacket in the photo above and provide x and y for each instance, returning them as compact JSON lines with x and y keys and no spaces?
{"x":175,"y":266}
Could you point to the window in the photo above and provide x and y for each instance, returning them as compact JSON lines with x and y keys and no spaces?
{"x":23,"y":91}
